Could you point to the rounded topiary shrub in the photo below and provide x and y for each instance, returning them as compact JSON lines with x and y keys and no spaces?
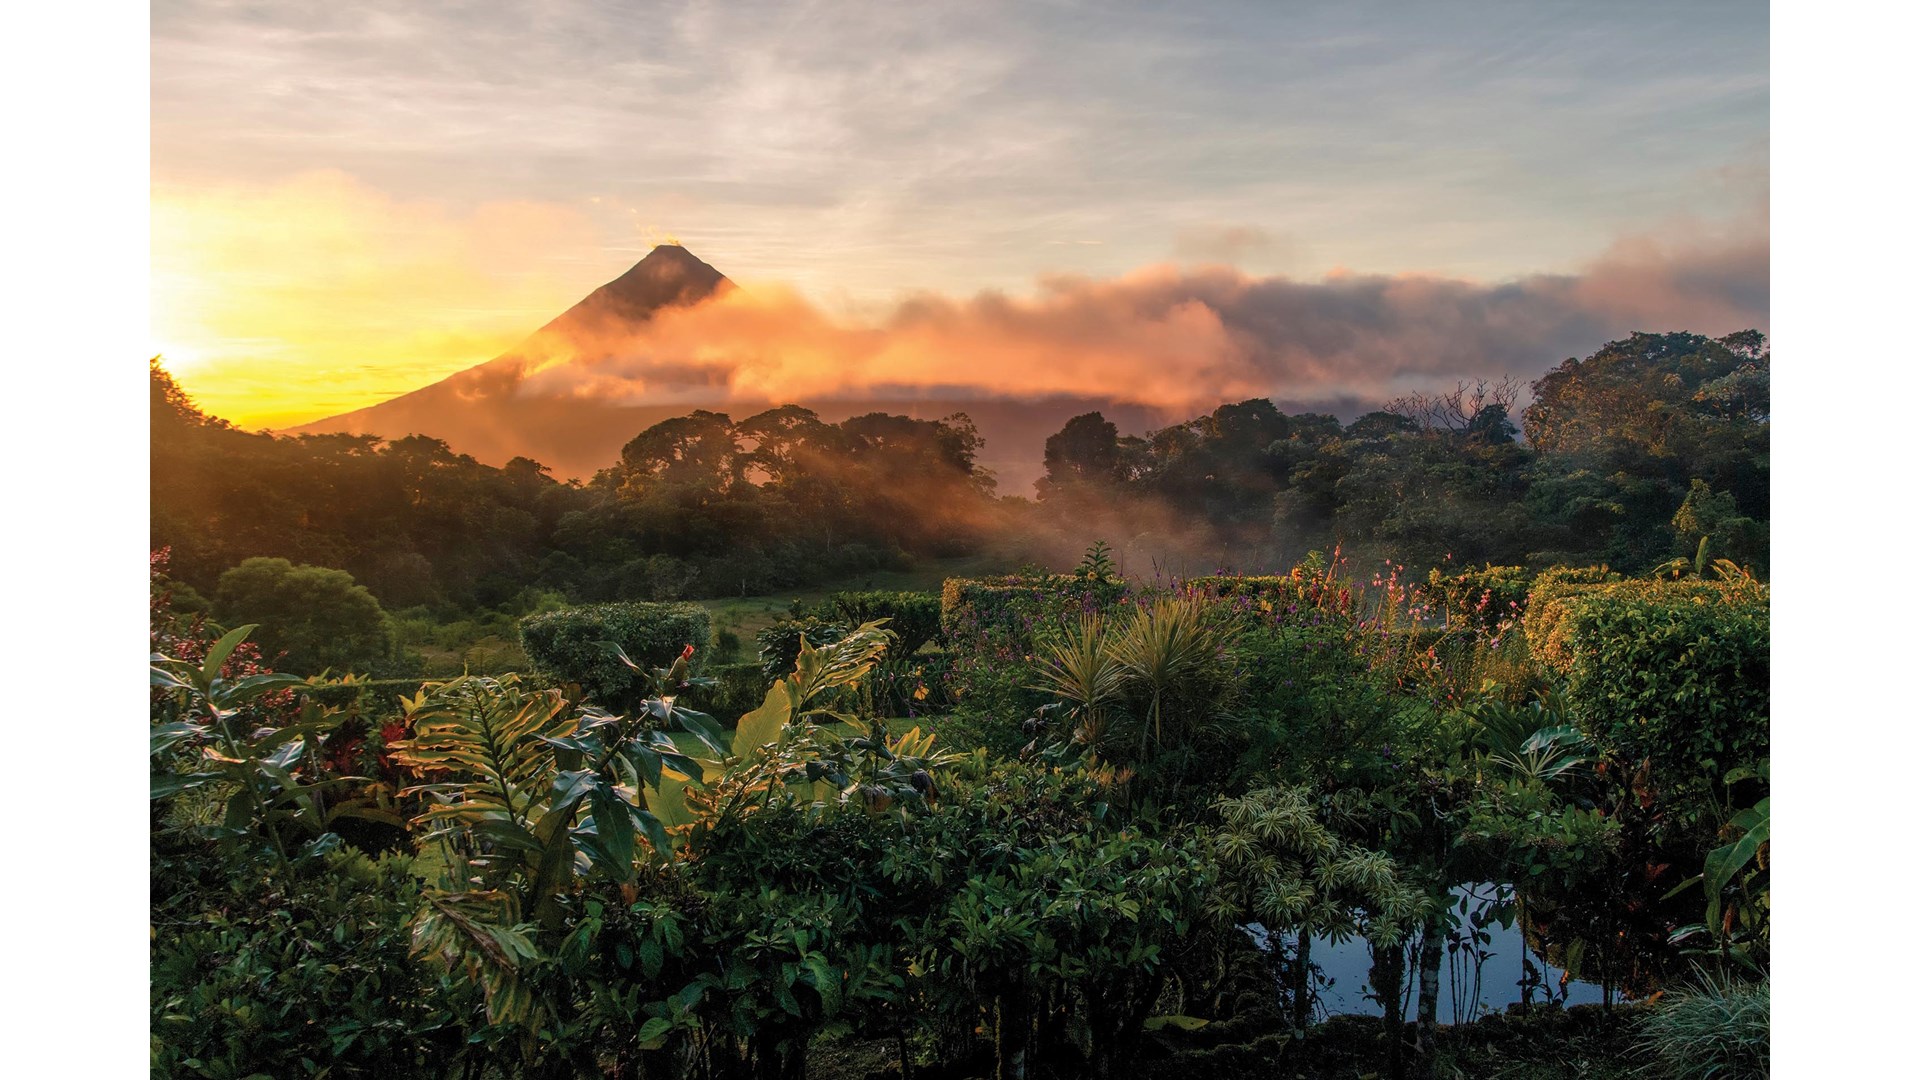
{"x":571,"y":646}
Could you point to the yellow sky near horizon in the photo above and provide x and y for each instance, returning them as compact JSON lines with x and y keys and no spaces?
{"x":279,"y":304}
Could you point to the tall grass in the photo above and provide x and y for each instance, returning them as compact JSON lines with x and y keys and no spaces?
{"x":1713,"y":1030}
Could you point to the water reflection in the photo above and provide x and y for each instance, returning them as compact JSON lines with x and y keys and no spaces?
{"x":1342,"y":968}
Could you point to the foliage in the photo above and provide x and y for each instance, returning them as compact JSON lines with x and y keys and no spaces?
{"x":914,"y":618}
{"x":572,"y":646}
{"x":1716,"y":1029}
{"x":1009,"y":610}
{"x":259,"y":974}
{"x":525,"y":801}
{"x":1165,"y":648}
{"x":780,"y":643}
{"x":1283,"y":866}
{"x":271,"y":778}
{"x":1487,"y":599}
{"x":1675,"y":672}
{"x":315,"y":618}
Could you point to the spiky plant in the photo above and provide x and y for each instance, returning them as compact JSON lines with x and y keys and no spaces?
{"x":1715,"y":1029}
{"x":1164,"y":643}
{"x":1077,"y":666}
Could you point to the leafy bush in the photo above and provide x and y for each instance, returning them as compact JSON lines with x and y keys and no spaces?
{"x":1009,"y":610}
{"x":1304,"y":596}
{"x":780,"y":643}
{"x":311,"y":618}
{"x":913,"y":617}
{"x":736,"y":689}
{"x":1672,"y":671}
{"x":256,"y":974}
{"x":1715,"y":1030}
{"x":1481,"y":599}
{"x":568,"y":645}
{"x":1545,"y":606}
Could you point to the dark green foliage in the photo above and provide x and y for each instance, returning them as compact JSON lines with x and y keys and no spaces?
{"x":1300,"y":598}
{"x":780,"y":643}
{"x":1675,"y":672}
{"x":913,"y":617}
{"x":687,"y":511}
{"x":257,"y":973}
{"x":1483,"y":599}
{"x":311,"y":618}
{"x":1010,"y":609}
{"x":570,"y":646}
{"x":737,"y":688}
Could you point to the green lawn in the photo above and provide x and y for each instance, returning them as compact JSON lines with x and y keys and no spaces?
{"x":748,"y":615}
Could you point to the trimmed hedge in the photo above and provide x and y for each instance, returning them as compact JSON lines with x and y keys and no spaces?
{"x":1674,"y":672}
{"x":1481,"y":599}
{"x":567,"y":645}
{"x":1009,"y":609}
{"x":1299,"y":598}
{"x":913,"y":616}
{"x":1546,"y":609}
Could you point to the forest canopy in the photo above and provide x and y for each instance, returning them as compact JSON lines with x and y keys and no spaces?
{"x":1629,"y":456}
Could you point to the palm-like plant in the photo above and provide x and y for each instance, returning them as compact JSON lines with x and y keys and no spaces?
{"x":1078,"y":667}
{"x":1163,"y":643}
{"x":526,"y":799}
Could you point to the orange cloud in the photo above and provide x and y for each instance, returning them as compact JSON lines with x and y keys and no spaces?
{"x":1163,"y":336}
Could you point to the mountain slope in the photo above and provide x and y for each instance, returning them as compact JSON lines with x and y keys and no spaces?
{"x":489,"y":412}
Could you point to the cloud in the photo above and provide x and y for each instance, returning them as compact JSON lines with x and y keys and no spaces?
{"x":1232,"y":244}
{"x":1169,"y":335}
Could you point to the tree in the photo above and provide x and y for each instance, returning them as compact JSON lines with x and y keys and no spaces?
{"x":319,"y":618}
{"x":1086,"y":450}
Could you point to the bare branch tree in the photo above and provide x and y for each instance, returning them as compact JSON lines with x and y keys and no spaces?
{"x":1454,"y":410}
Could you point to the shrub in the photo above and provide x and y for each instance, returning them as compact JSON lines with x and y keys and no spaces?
{"x":1302,"y":597}
{"x":1481,"y":599}
{"x":780,"y":643}
{"x":913,"y":617}
{"x":310,"y":618}
{"x":1716,"y":1030}
{"x":568,"y":645}
{"x":1010,"y":610}
{"x":737,"y":689}
{"x":1675,"y":672}
{"x":1545,"y":604}
{"x":256,"y":975}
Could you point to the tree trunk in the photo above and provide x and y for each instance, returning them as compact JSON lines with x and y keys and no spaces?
{"x":1011,"y":1028}
{"x":1302,"y":983}
{"x":1430,"y":954}
{"x":1388,"y":977}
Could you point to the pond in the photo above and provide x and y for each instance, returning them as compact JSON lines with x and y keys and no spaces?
{"x":1340,"y":978}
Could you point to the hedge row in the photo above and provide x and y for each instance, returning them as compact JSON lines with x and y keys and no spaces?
{"x":569,"y":646}
{"x":1481,"y":599}
{"x":1296,"y":599}
{"x":1671,"y":672}
{"x":1011,"y":609}
{"x":913,"y":617}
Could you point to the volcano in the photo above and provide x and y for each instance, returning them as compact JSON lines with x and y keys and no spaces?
{"x":496,"y":411}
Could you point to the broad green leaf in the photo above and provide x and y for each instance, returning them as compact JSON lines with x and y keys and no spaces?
{"x":704,"y":728}
{"x":763,"y":725}
{"x":653,"y":1033}
{"x":217,"y":655}
{"x":613,"y":828}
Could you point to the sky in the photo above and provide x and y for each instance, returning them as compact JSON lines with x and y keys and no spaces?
{"x":350,"y":201}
